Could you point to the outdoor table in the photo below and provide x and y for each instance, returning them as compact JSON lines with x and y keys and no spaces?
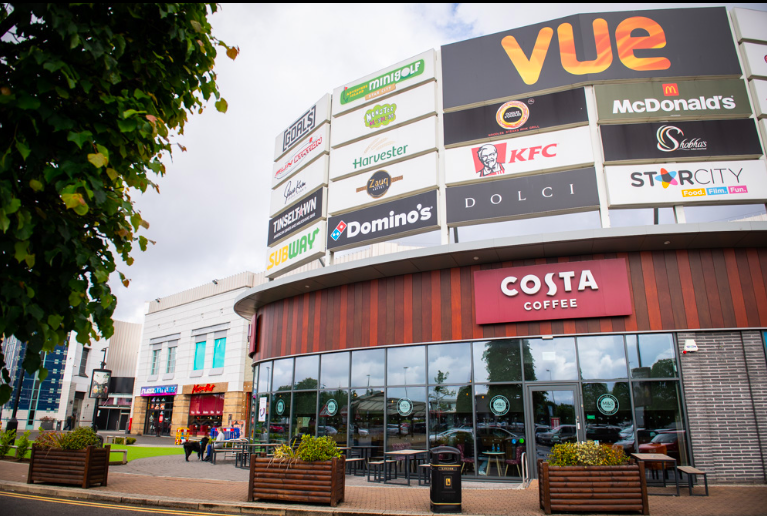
{"x":366,"y":449}
{"x":662,"y":459}
{"x":408,"y":454}
{"x":494,"y":455}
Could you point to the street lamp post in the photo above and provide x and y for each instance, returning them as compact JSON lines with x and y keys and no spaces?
{"x":13,"y":423}
{"x":96,"y":400}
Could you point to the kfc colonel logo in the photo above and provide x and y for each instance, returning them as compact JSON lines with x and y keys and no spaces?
{"x":489,"y":158}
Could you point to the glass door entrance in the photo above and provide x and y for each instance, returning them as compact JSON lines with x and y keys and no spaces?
{"x":555,"y":414}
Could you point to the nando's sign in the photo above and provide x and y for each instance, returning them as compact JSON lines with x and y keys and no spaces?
{"x":588,"y":48}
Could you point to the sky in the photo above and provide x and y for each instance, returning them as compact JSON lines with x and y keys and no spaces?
{"x":210,"y":219}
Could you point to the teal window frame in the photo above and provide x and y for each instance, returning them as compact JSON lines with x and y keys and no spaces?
{"x":199,"y":356}
{"x":219,"y":352}
{"x":170,"y":366}
{"x":155,"y":362}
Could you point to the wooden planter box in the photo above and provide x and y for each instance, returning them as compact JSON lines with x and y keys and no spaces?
{"x":305,"y":482}
{"x":82,"y":468}
{"x":592,"y":488}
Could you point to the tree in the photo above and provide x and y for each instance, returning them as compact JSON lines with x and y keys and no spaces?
{"x":90,"y":95}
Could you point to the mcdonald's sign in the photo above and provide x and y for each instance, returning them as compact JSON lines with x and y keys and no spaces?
{"x":682,"y":100}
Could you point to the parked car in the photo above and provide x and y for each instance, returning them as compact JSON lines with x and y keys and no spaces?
{"x":326,"y":430}
{"x":560,"y":434}
{"x":462,"y":434}
{"x":603,"y":433}
{"x":667,"y":438}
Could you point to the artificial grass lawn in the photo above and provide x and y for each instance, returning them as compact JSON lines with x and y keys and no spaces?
{"x":144,"y":452}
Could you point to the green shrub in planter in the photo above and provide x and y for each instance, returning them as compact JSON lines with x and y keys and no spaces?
{"x":586,"y":454}
{"x":314,"y":449}
{"x":22,"y":445}
{"x":119,"y":440}
{"x":80,"y":439}
{"x":130,"y":440}
{"x":6,"y":441}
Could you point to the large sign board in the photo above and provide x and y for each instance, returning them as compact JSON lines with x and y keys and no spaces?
{"x":390,"y":80}
{"x":301,"y":214}
{"x":386,"y":148}
{"x":750,"y":25}
{"x":759,"y":96}
{"x":570,"y":148}
{"x":100,"y":384}
{"x":407,"y":216}
{"x":673,"y":99}
{"x":306,"y":123}
{"x":386,"y":114}
{"x":383,"y":184}
{"x":300,"y":185}
{"x":588,"y":48}
{"x":516,"y":117}
{"x":754,"y":60}
{"x":680,"y":140}
{"x":522,"y":196}
{"x":297,"y":250}
{"x":317,"y":144}
{"x":573,"y":290}
{"x":725,"y":182}
{"x":159,"y":390}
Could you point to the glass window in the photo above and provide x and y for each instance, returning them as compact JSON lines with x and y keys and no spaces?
{"x":334,"y":415}
{"x":406,"y":418}
{"x":199,"y":356}
{"x":367,"y":419}
{"x":83,"y":361}
{"x":219,"y":351}
{"x":641,"y":217}
{"x":260,"y":426}
{"x":500,"y":432}
{"x":658,"y":416}
{"x":602,"y":357}
{"x":279,"y":422}
{"x":406,"y":366}
{"x":307,"y":372}
{"x":549,"y":360}
{"x":451,"y":418}
{"x":651,"y":356}
{"x":155,"y":361}
{"x":497,"y":361}
{"x":698,"y":214}
{"x":170,"y":367}
{"x":607,"y":407}
{"x":304,"y":413}
{"x":450,"y":363}
{"x":264,"y":376}
{"x":335,"y":370}
{"x":368,"y":368}
{"x":282,"y":375}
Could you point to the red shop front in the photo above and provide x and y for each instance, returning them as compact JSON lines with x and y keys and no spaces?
{"x":205,"y":412}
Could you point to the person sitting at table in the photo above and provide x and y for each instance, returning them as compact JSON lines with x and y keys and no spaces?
{"x":218,"y":444}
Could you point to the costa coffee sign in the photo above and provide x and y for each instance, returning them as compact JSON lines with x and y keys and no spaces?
{"x":306,"y":123}
{"x":570,"y":148}
{"x":516,"y":117}
{"x":572,"y":290}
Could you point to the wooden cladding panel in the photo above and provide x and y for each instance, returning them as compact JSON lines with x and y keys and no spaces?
{"x":670,"y":290}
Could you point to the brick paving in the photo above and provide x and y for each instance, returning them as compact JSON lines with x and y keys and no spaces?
{"x":158,"y":481}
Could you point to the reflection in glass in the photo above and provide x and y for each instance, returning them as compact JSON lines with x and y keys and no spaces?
{"x":607,"y":407}
{"x":367,"y":420}
{"x":554,"y":418}
{"x":406,"y":366}
{"x":451,"y":421}
{"x":549,"y":360}
{"x":368,"y":368}
{"x":497,"y":361}
{"x":279,"y":419}
{"x":260,"y":429}
{"x":406,"y":418}
{"x":450,"y":363}
{"x":642,"y":217}
{"x":500,"y":438}
{"x":335,"y":371}
{"x":602,"y":357}
{"x":653,"y":356}
{"x":304,"y":413}
{"x":264,"y":376}
{"x":282,"y":374}
{"x":660,"y":428}
{"x":307,"y":372}
{"x":698,"y":214}
{"x":334,"y":415}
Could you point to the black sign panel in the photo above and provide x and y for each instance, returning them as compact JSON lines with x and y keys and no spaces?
{"x":516,"y":116}
{"x":416,"y":213}
{"x":529,"y":195}
{"x":301,"y":214}
{"x":588,"y":48}
{"x":675,"y":140}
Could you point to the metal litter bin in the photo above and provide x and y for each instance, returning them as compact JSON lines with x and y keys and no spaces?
{"x":445,"y":479}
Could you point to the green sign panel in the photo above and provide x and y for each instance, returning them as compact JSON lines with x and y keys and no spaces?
{"x":672,"y":100}
{"x":383,"y":83}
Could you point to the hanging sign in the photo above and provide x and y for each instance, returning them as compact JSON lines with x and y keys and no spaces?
{"x":317,"y":144}
{"x":262,"y":409}
{"x":299,"y":215}
{"x":306,"y":181}
{"x":298,"y":249}
{"x":315,"y":116}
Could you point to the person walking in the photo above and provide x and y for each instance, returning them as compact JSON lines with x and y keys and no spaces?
{"x":68,"y":426}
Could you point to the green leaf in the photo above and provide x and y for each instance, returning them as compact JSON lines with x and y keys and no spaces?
{"x":142,"y":242}
{"x":42,"y":374}
{"x":80,"y":138}
{"x":127,"y":126}
{"x":103,"y":150}
{"x":112,"y":173}
{"x":196,"y":26}
{"x":55,"y":320}
{"x":98,"y":160}
{"x":28,"y":102}
{"x":12,"y":206}
{"x":74,"y":299}
{"x":222,"y":106}
{"x":5,"y":393}
{"x":101,"y":275}
{"x":35,"y":185}
{"x":23,"y":149}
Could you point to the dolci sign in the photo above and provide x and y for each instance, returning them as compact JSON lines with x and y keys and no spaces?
{"x":573,"y":290}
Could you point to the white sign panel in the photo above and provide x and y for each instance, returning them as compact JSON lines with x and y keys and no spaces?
{"x":759,"y":96}
{"x":754,"y":59}
{"x":386,"y":148}
{"x":300,"y":185}
{"x":570,"y":148}
{"x":749,"y":24}
{"x":763,"y":130}
{"x":262,"y":409}
{"x":310,"y":120}
{"x":297,"y":250}
{"x":383,"y":115}
{"x":391,"y":80}
{"x":725,"y":182}
{"x":383,"y":184}
{"x":317,"y":144}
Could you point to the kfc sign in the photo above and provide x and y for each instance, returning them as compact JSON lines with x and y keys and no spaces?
{"x":573,"y":290}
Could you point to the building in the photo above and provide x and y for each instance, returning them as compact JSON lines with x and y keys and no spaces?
{"x":600,"y":289}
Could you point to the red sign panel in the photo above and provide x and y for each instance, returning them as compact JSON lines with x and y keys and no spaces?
{"x":208,"y":387}
{"x":572,"y":290}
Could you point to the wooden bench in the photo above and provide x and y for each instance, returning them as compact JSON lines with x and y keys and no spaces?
{"x":355,"y":461}
{"x":692,"y":474}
